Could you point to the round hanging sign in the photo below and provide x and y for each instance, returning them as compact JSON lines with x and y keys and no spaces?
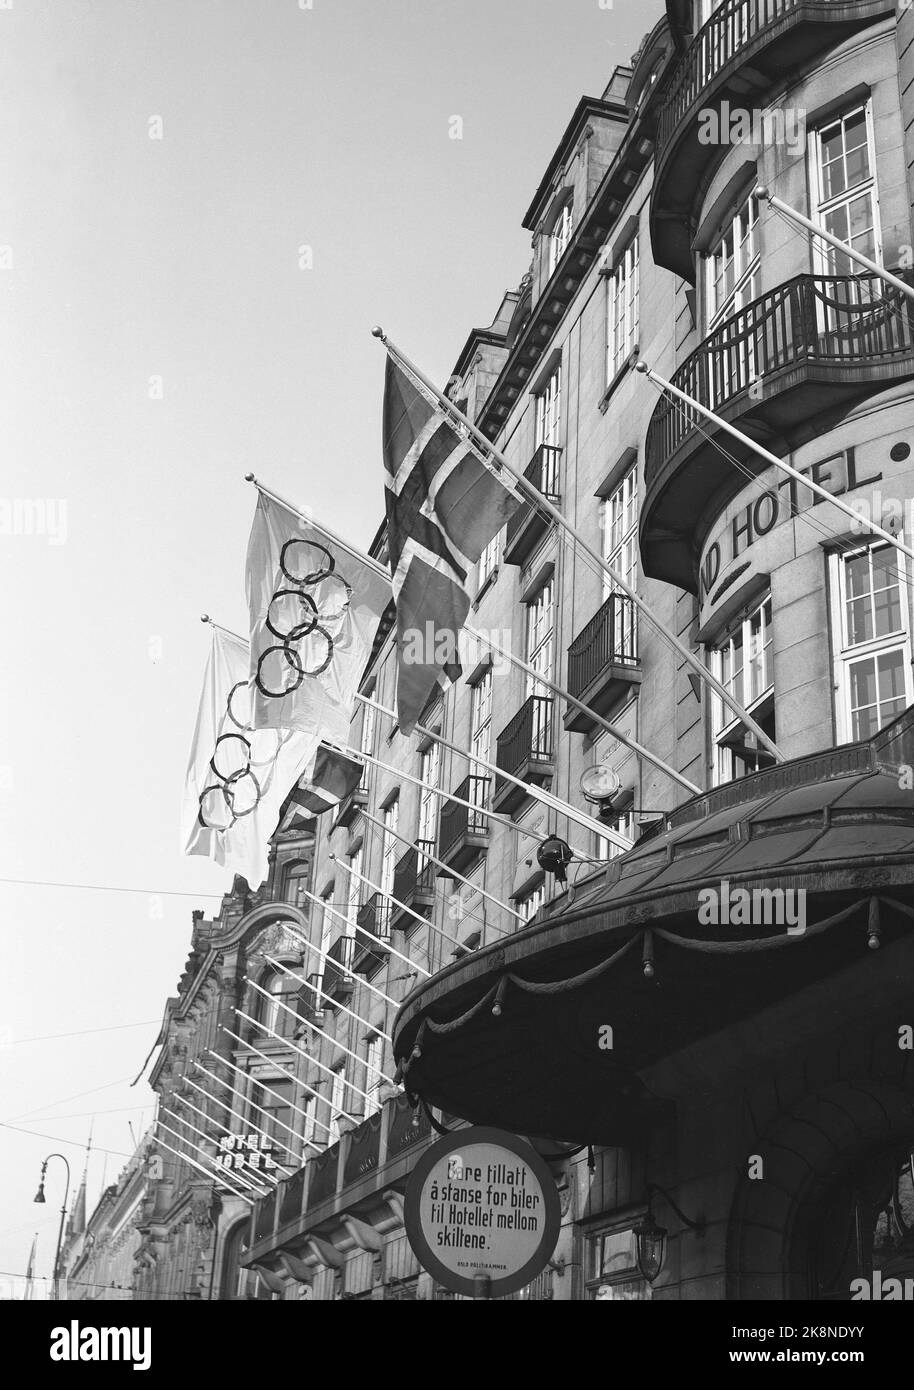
{"x":482,"y":1203}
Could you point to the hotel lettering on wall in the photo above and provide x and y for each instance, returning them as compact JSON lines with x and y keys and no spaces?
{"x":838,"y":474}
{"x":251,"y":1151}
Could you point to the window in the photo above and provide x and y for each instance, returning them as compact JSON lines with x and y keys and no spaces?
{"x":844,"y":184}
{"x":429,"y":769}
{"x":529,"y":905}
{"x":389,"y":855}
{"x":622,"y":311}
{"x":308,"y":1104}
{"x":619,"y":527}
{"x":282,"y":990}
{"x":277,"y":1102}
{"x":488,"y":564}
{"x":731,"y":269}
{"x":366,"y":744}
{"x":354,"y":890}
{"x":624,"y":824}
{"x":481,"y":720}
{"x":326,"y":926}
{"x":540,"y":655}
{"x":296,"y":882}
{"x":874,"y":660}
{"x":373,"y":1058}
{"x":337,"y":1096}
{"x":549,"y":411}
{"x":561,"y":235}
{"x":743,"y":665}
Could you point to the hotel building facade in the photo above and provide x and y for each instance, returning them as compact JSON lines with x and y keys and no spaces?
{"x":744,"y":1087}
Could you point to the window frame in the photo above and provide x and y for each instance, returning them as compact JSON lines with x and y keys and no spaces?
{"x":845,"y":654}
{"x":824,"y":255}
{"x":623,"y":309}
{"x":724,"y":725}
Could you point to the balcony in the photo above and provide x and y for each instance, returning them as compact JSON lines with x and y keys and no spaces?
{"x":743,"y":51}
{"x":525,"y":749}
{"x":336,"y":983}
{"x":352,"y":804}
{"x":603,"y":661}
{"x":463,"y":834}
{"x":528,"y":526}
{"x":373,"y":918}
{"x":815,"y":344}
{"x":414,"y":883}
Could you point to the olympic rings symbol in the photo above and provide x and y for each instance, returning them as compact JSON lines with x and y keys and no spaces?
{"x":237,"y":790}
{"x":306,"y":624}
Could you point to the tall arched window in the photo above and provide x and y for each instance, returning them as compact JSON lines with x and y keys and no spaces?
{"x":296,"y":880}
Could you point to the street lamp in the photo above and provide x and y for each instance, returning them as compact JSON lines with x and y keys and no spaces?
{"x":40,"y":1197}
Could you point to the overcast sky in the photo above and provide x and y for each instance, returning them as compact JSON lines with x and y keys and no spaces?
{"x":159,"y":337}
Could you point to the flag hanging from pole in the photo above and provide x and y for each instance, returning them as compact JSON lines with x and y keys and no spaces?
{"x":238,"y":777}
{"x":314,"y":609}
{"x":30,"y":1271}
{"x":445,"y":503}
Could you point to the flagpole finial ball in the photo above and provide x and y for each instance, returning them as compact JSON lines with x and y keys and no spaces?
{"x":377,"y":332}
{"x":762,"y":192}
{"x":641,"y":366}
{"x":249,"y":478}
{"x":204,"y":617}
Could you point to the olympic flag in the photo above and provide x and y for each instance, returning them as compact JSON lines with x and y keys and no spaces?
{"x":238,"y":777}
{"x":314,"y":609}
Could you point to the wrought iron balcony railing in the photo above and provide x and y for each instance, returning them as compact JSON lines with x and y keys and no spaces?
{"x":337,"y":981}
{"x":374,"y":917}
{"x":528,"y":738}
{"x":609,"y":639}
{"x":414,"y":874}
{"x":730,"y":28}
{"x":819,"y":321}
{"x":458,"y":822}
{"x":543,"y":473}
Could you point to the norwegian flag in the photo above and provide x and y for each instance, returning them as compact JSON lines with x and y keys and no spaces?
{"x":445,"y":502}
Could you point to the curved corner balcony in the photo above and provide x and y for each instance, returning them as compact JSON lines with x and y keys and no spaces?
{"x":815,"y":344}
{"x":738,"y":56}
{"x":559,"y":1031}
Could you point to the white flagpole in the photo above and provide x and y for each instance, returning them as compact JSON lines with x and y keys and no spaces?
{"x":239,"y":1178}
{"x":381,"y":945}
{"x":334,"y":1003}
{"x":211,"y":1119}
{"x":320,"y":1032}
{"x":620,"y":582}
{"x":263,"y":1086}
{"x":437,"y":791}
{"x":850,"y":251}
{"x":223,"y":1105}
{"x":439,"y":863}
{"x":195,"y":1129}
{"x":554,"y":803}
{"x":425,"y":921}
{"x":611,"y":729}
{"x":309,"y":1057}
{"x":207,"y":1172}
{"x":358,"y":979}
{"x":764,"y":453}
